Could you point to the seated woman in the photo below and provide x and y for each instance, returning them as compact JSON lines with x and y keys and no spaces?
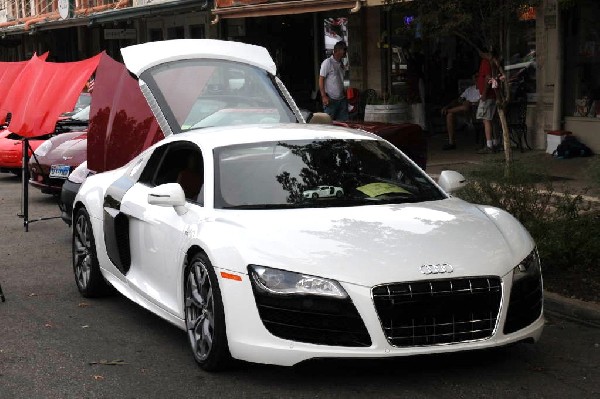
{"x":190,"y":178}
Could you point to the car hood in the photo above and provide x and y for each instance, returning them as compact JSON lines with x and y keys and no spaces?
{"x":71,"y":152}
{"x":371,"y":245}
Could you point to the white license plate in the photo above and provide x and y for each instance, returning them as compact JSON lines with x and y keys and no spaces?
{"x":60,"y":171}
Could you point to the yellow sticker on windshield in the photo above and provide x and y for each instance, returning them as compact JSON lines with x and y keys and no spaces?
{"x":376,"y":189}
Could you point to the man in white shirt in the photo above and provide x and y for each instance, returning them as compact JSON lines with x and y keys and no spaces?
{"x":331,"y":84}
{"x":461,"y":106}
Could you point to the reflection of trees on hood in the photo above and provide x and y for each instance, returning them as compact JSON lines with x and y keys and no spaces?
{"x":324,"y":163}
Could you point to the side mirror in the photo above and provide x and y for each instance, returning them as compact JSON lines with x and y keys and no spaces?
{"x":451,"y":181}
{"x":170,"y":194}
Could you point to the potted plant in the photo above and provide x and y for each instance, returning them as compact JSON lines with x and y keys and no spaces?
{"x":387,"y":108}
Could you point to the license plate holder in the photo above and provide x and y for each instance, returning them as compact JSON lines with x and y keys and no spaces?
{"x":59,"y":171}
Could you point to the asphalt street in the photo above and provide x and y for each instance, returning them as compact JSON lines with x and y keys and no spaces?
{"x":56,"y":344}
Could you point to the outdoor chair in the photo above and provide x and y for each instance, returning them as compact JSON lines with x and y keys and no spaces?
{"x":517,"y":123}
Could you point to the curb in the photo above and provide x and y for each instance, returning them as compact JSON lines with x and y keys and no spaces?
{"x":587,"y":313}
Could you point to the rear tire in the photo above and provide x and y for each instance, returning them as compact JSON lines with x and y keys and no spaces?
{"x":85,"y":261}
{"x":205,"y":316}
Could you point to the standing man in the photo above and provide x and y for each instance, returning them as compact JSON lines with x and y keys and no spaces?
{"x":331,"y":84}
{"x":487,"y":103}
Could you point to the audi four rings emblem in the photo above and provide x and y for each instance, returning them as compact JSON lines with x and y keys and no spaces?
{"x":436,"y":269}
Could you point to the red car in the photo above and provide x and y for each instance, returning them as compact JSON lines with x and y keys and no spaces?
{"x":407,"y":137}
{"x":11,"y":150}
{"x":11,"y":144}
{"x":55,"y":159}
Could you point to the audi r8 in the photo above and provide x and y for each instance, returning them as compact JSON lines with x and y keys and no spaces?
{"x":210,"y":229}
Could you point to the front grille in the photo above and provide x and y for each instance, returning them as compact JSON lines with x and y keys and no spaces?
{"x":312,"y":319}
{"x":525,"y":304}
{"x":438,"y":311}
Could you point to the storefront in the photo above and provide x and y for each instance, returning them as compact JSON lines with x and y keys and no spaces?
{"x":298,"y":35}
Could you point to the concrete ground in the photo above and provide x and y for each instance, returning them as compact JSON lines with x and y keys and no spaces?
{"x":568,"y":175}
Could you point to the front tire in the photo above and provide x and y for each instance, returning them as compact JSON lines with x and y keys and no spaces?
{"x":205,"y":316}
{"x":85,"y":261}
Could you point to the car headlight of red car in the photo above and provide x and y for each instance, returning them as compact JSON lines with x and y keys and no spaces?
{"x":43,"y":149}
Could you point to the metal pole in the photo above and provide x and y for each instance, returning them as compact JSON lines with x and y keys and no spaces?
{"x":25,"y":181}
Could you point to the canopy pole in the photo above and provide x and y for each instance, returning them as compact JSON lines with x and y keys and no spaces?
{"x":25,"y":187}
{"x":25,"y":184}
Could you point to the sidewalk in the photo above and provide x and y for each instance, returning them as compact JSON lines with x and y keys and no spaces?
{"x":568,"y":175}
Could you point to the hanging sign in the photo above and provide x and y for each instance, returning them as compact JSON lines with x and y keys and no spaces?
{"x":65,"y":8}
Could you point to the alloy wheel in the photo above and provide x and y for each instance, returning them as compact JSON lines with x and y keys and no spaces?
{"x":200,"y":310}
{"x":82,"y":247}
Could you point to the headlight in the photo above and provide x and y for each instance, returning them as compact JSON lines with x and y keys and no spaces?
{"x":43,"y":149}
{"x":79,"y":174}
{"x":528,"y":267}
{"x":281,"y":282}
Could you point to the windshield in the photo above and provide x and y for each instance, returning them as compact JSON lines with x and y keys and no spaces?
{"x":84,"y":100}
{"x":204,"y":93}
{"x":317,"y":173}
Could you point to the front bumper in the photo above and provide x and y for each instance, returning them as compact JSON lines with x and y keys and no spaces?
{"x":249,"y":339}
{"x":67,"y":197}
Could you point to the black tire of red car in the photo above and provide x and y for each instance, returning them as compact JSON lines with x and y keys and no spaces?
{"x":205,"y":316}
{"x":86,"y":268}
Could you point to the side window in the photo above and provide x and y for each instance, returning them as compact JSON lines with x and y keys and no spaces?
{"x":147,"y":176}
{"x":179,"y":162}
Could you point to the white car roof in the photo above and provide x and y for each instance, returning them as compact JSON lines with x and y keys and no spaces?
{"x":214,"y":137}
{"x":140,"y":57}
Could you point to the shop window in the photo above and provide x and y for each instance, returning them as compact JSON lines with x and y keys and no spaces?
{"x":520,"y":57}
{"x":175,"y":32}
{"x":582,"y":60}
{"x":197,"y":32}
{"x":155,"y":34}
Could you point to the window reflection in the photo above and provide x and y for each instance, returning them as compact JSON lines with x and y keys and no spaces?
{"x":317,"y":173}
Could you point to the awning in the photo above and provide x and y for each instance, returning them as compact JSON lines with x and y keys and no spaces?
{"x":261,"y":8}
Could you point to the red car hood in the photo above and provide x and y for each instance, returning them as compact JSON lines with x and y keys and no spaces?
{"x":71,"y":151}
{"x":121,"y":122}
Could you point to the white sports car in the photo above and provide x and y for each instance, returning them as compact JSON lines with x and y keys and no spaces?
{"x":324,"y":192}
{"x":209,"y":229}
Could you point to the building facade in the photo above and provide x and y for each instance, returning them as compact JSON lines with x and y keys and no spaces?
{"x":562,"y":44}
